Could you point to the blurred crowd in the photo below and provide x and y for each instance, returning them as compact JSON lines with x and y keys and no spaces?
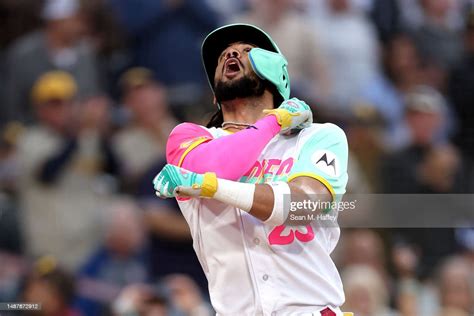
{"x":90,"y":90}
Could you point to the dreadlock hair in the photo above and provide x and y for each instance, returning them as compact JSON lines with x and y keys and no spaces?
{"x":218,"y":117}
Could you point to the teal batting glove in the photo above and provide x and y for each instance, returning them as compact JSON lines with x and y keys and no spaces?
{"x":173,"y":181}
{"x":292,"y":115}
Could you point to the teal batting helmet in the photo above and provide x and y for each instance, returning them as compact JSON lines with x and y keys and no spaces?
{"x":267,"y":61}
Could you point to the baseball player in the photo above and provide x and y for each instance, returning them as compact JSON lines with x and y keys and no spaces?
{"x":236,"y":179}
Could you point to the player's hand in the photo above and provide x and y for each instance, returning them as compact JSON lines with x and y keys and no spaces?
{"x":173,"y":181}
{"x":292,"y":115}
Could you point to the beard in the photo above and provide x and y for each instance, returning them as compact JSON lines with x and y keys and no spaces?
{"x":247,"y":86}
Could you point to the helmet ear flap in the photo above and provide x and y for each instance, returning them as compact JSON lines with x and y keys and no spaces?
{"x":272,"y":67}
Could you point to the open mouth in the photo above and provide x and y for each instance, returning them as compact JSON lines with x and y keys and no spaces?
{"x":231,"y":66}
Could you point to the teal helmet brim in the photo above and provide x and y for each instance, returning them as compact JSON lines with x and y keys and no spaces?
{"x":221,"y":38}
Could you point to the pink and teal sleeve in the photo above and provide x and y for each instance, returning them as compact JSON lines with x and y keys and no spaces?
{"x":192,"y":147}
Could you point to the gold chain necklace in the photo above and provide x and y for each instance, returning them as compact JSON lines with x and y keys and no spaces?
{"x":237,"y":125}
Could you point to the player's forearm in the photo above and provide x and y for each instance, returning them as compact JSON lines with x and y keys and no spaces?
{"x":233,"y":155}
{"x":257,"y":199}
{"x":264,"y":202}
{"x":270,"y":202}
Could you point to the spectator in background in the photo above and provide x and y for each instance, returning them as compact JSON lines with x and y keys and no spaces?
{"x":424,"y":165}
{"x":385,"y":92}
{"x":438,"y":42}
{"x":465,"y":239}
{"x":176,"y":295}
{"x":227,"y":9}
{"x":142,"y":142}
{"x":298,"y":41}
{"x":108,"y":40}
{"x":349,"y":41}
{"x":58,"y":45}
{"x":461,"y":92}
{"x":364,"y":247}
{"x":170,"y":238}
{"x":11,"y":12}
{"x":16,"y":19}
{"x":320,"y":8}
{"x":186,"y":296}
{"x":51,"y":286}
{"x":405,"y":260}
{"x":12,"y":271}
{"x":10,"y":235}
{"x":364,"y":132}
{"x":412,"y":15}
{"x":142,"y":300}
{"x":141,"y":149}
{"x":165,"y":37}
{"x":386,"y":18}
{"x":65,"y":162}
{"x":120,"y":260}
{"x":9,"y":136}
{"x":366,"y":292}
{"x":456,"y":284}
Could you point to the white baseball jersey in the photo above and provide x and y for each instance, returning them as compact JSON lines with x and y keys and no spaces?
{"x":257,"y":269}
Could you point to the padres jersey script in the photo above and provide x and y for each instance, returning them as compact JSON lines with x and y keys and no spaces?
{"x":257,"y":269}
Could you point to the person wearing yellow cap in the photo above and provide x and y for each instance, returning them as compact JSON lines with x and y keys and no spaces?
{"x":63,"y":159}
{"x":52,"y":97}
{"x":54,"y":85}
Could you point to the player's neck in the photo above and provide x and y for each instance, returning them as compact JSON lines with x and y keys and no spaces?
{"x":247,"y":110}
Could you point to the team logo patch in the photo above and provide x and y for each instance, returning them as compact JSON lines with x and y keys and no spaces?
{"x":326,"y":161}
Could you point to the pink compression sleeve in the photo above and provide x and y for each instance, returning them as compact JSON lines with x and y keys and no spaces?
{"x":228,"y":156}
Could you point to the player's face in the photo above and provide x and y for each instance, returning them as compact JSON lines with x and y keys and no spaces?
{"x":234,"y":77}
{"x":234,"y":63}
